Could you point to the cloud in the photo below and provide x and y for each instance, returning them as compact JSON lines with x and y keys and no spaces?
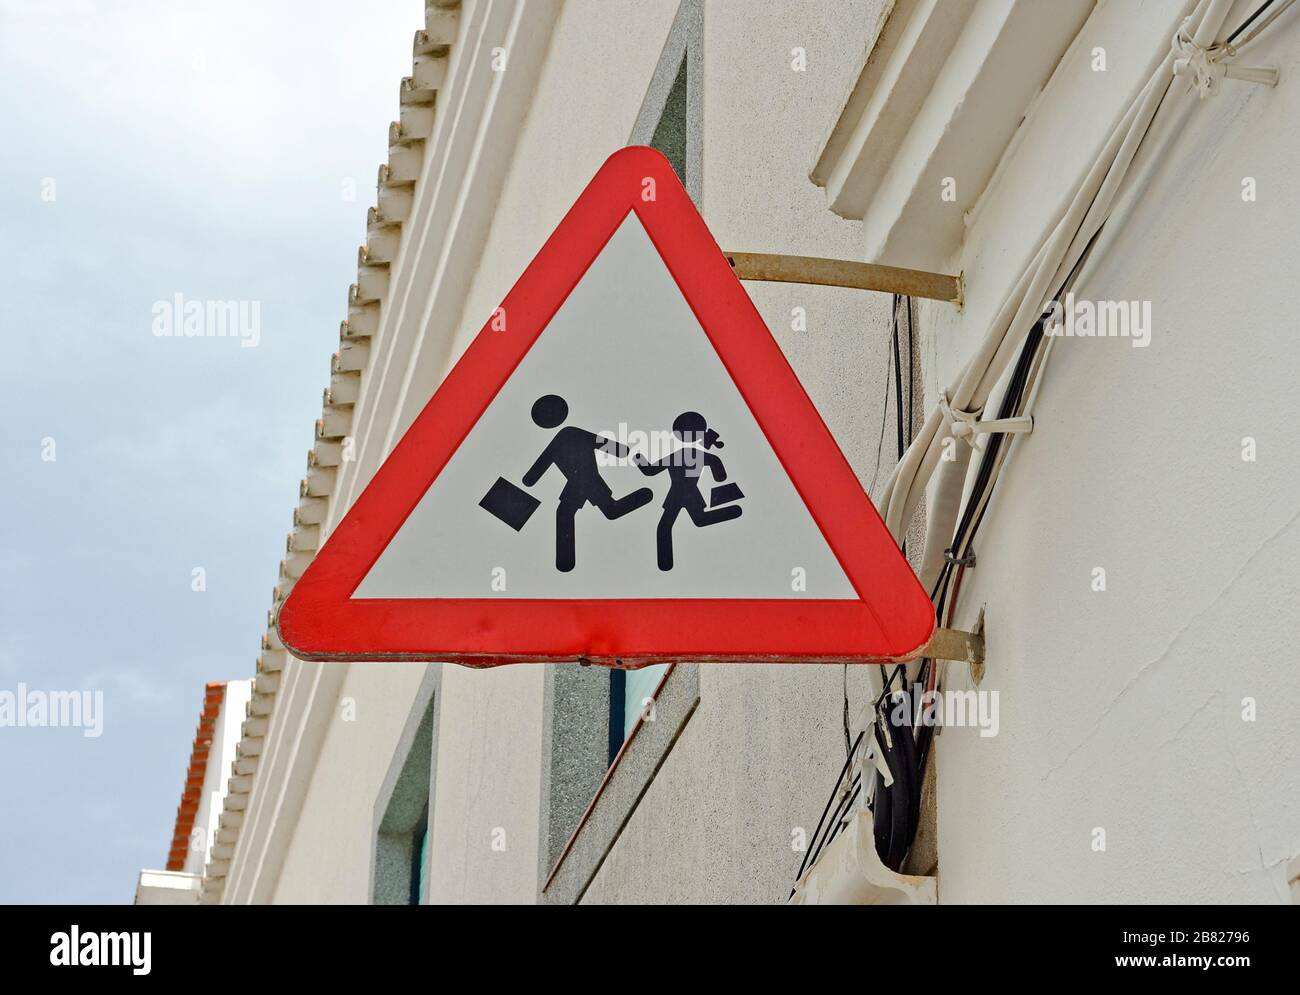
{"x":195,"y":147}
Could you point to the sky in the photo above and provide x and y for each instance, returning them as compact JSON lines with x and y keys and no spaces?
{"x":218,"y":150}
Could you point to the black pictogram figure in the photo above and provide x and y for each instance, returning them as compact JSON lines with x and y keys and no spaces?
{"x":573,"y":452}
{"x":684,"y":466}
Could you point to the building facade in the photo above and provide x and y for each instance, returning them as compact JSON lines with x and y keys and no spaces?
{"x":1133,"y":570}
{"x":223,"y":723}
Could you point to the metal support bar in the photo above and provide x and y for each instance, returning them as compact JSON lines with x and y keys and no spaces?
{"x":846,"y":273}
{"x":956,"y":644}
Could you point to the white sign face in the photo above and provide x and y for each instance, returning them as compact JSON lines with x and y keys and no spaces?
{"x":530,"y":506}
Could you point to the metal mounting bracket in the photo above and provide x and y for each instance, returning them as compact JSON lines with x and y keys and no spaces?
{"x":845,"y":273}
{"x":957,"y":644}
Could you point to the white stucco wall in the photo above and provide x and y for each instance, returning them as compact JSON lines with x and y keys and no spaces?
{"x":1123,"y":709}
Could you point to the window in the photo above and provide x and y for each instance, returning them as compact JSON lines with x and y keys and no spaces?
{"x":419,"y":860}
{"x":399,"y":873}
{"x":630,"y":695}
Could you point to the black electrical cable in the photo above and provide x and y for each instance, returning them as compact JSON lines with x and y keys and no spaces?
{"x":1012,"y":400}
{"x":883,"y":801}
{"x":1010,"y":405}
{"x":1249,"y":21}
{"x":902,"y":449}
{"x":911,"y":374}
{"x":848,"y":746}
{"x":906,"y":814}
{"x":896,"y":807}
{"x":827,"y":810}
{"x":839,"y":815}
{"x":973,"y":513}
{"x":884,"y":412}
{"x":905,"y":794}
{"x":898,"y":382}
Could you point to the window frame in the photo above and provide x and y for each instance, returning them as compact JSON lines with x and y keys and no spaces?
{"x":404,"y":801}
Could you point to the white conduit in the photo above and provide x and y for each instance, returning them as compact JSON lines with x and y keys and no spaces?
{"x":1052,"y":265}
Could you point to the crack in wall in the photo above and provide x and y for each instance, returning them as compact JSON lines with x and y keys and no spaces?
{"x":1250,"y":809}
{"x":1178,"y":635}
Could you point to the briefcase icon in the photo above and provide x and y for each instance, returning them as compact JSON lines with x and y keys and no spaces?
{"x":509,"y":503}
{"x":725,"y":494}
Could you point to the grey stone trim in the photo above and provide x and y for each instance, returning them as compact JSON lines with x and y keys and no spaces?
{"x":685,"y":42}
{"x":638,"y":764}
{"x":575,"y":750}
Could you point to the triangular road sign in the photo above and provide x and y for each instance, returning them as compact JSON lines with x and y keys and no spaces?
{"x":722,"y":524}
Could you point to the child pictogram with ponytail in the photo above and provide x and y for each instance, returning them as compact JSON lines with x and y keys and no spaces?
{"x":684,"y":466}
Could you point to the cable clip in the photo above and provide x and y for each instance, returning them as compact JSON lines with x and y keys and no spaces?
{"x":880,"y":742}
{"x":962,"y":561}
{"x":1206,"y":68}
{"x":967,"y":426}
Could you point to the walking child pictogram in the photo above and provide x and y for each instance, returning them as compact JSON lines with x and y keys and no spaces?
{"x":684,"y":466}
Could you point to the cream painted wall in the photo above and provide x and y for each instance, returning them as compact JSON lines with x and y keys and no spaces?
{"x":1123,"y":710}
{"x":329,"y":858}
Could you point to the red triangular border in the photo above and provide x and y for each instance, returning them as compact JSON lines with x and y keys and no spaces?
{"x":893,"y":621}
